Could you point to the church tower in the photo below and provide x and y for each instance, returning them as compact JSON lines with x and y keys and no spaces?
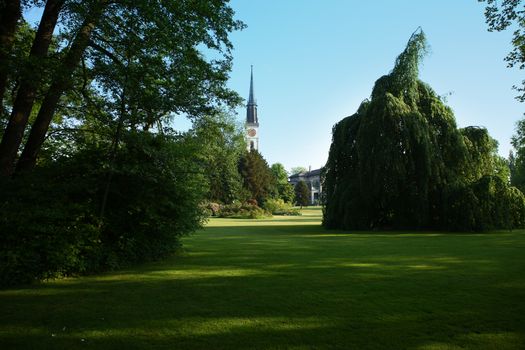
{"x":252,"y":122}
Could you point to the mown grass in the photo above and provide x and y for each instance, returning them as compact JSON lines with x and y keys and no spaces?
{"x":285,"y":283}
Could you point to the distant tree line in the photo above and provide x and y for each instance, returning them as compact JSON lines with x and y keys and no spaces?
{"x":264,"y":189}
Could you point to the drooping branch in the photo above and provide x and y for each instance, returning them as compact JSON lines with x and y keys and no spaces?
{"x":106,"y":52}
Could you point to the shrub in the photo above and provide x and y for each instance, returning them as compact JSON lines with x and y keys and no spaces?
{"x":280,"y":207}
{"x":211,"y":208}
{"x":46,"y":230}
{"x":252,"y":202}
{"x":53,"y":225}
{"x":243,"y":211}
{"x":488,"y":203}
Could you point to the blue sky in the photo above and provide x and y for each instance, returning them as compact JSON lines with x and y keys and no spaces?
{"x":315,"y":61}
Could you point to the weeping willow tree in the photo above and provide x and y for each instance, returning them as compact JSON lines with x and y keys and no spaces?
{"x":401,"y":162}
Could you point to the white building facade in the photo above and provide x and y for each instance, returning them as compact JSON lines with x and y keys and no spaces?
{"x":314,"y":183}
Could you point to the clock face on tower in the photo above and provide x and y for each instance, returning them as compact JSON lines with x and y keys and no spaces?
{"x":252,"y":132}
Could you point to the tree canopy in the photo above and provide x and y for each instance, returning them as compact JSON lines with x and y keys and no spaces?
{"x":133,"y":63}
{"x":517,"y":160}
{"x":221,"y":144}
{"x":284,"y":189}
{"x":500,"y":16}
{"x":90,"y":161}
{"x":298,"y":170}
{"x":257,"y":176}
{"x":401,"y":162}
{"x":302,"y":194}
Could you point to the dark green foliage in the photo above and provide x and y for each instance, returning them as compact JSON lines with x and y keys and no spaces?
{"x":131,"y":63}
{"x":396,"y":161}
{"x":18,"y":66}
{"x":483,"y":158}
{"x":221,"y":144}
{"x":257,"y":177}
{"x":486,"y":204}
{"x":48,"y":226}
{"x":285,"y":190}
{"x":517,"y":161}
{"x":302,"y":194}
{"x":51,"y":224}
{"x":93,"y":192}
{"x":154,"y":196}
{"x":501,"y":15}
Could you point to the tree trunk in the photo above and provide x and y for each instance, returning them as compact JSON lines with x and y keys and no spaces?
{"x":10,"y":13}
{"x":60,"y":83}
{"x":26,"y":93}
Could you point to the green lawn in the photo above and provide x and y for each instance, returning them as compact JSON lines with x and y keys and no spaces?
{"x":285,"y":283}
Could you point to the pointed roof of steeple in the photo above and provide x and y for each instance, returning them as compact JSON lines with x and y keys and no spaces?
{"x":251,"y":99}
{"x":251,"y":107}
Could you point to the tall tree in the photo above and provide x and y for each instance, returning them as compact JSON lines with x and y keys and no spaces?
{"x":61,"y":81}
{"x":257,"y":177}
{"x":401,"y":161}
{"x":10,"y":13}
{"x":17,"y":67}
{"x":146,"y":67}
{"x":25,"y":97}
{"x":280,"y":173}
{"x":113,"y":175}
{"x":302,"y":194}
{"x":220,"y":143}
{"x":518,"y":160}
{"x":285,"y":190}
{"x":501,"y":15}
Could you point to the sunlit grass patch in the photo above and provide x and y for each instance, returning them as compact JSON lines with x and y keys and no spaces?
{"x":286,"y":283}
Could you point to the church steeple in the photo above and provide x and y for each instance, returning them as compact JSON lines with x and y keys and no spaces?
{"x":251,"y":107}
{"x":252,"y":122}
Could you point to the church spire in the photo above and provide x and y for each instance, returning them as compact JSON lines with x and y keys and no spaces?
{"x":251,"y":100}
{"x":251,"y":107}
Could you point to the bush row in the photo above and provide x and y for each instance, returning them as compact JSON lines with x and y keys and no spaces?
{"x":87,"y":212}
{"x":250,"y":209}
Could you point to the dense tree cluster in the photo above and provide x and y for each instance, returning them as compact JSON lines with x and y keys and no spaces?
{"x":223,"y":143}
{"x":92,"y":173}
{"x":260,"y":190}
{"x":257,"y":176}
{"x":401,"y":162}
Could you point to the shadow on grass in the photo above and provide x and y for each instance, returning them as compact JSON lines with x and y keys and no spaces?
{"x":288,"y":286}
